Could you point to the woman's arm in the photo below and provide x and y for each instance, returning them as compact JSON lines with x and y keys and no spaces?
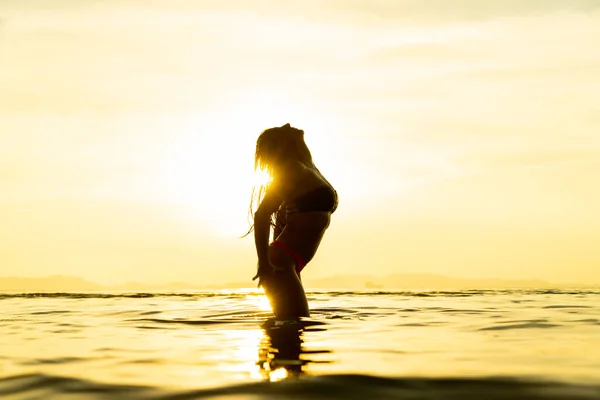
{"x":262,"y":225}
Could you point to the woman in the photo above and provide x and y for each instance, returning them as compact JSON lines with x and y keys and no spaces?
{"x":298,"y":202}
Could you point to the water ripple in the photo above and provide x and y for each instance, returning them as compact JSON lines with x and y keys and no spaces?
{"x":340,"y":386}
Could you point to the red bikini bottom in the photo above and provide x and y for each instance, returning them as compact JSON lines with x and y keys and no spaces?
{"x":300,"y":263}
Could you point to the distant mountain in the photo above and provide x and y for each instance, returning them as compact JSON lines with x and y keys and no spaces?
{"x":171,"y":286}
{"x":426,"y":281}
{"x":56,"y":283}
{"x":60,"y":283}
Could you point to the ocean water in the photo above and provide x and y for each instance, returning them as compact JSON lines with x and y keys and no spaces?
{"x":480,"y":344}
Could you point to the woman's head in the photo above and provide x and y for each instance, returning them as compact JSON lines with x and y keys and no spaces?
{"x":275,"y":145}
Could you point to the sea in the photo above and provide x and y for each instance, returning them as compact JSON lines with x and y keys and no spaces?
{"x":463,"y":344}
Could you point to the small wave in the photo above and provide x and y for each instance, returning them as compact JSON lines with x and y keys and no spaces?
{"x":464,"y":311}
{"x":55,"y":361}
{"x":566,"y":306}
{"x":50,"y":312}
{"x":588,"y":320}
{"x":184,"y":321}
{"x":331,"y":293}
{"x":90,"y":295}
{"x":528,"y":325}
{"x":349,"y":386}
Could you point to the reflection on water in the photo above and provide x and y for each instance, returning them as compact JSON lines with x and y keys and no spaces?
{"x":209,"y":340}
{"x":281,"y":353}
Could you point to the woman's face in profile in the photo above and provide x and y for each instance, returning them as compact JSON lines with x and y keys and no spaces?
{"x":292,"y":130}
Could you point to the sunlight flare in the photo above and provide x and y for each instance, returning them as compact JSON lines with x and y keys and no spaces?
{"x":208,"y":171}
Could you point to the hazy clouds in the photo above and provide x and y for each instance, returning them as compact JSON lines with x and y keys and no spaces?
{"x":477,"y":115}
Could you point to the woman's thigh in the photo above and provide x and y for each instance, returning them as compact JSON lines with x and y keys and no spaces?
{"x":280,"y":258}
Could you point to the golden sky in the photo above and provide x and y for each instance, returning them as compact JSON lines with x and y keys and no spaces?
{"x":462,"y":136}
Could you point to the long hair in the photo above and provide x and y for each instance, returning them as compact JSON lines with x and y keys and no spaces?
{"x":266,"y":144}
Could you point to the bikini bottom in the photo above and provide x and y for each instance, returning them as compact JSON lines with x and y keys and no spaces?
{"x":300,"y":263}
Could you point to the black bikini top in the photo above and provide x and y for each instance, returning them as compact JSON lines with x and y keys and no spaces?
{"x":323,"y":198}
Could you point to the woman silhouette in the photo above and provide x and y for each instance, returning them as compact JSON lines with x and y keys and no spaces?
{"x":297,"y":202}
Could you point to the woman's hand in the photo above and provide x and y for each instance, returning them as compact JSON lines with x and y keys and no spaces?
{"x":263,"y":272}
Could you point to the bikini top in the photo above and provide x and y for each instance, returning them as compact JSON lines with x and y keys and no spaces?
{"x":323,"y":198}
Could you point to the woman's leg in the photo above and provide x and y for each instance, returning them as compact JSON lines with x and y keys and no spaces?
{"x":284,"y":288}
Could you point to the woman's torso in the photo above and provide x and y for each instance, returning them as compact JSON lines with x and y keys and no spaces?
{"x":310,"y":192}
{"x":308,"y":206}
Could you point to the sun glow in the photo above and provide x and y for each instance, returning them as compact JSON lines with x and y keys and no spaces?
{"x":208,"y":172}
{"x":260,"y":302}
{"x":261,"y":177}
